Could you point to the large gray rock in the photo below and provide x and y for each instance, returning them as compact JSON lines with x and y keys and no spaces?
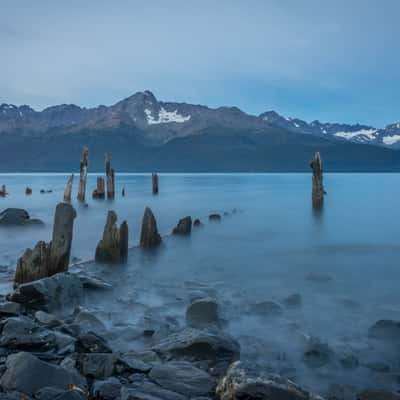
{"x":26,"y":373}
{"x":149,"y":236}
{"x":182,"y":377}
{"x":202,"y":312}
{"x":184,"y":226}
{"x":317,"y":353}
{"x":60,"y":290}
{"x":245,"y":382}
{"x":17,"y":216}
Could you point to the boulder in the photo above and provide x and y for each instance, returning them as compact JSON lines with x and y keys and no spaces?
{"x":108,"y":389}
{"x":91,"y":343}
{"x":60,"y":290}
{"x":146,"y":390}
{"x":184,"y":226}
{"x":9,"y":308}
{"x":317,"y":354}
{"x":197,"y":222}
{"x":214,"y":217}
{"x":17,"y":216}
{"x":97,"y":365}
{"x":293,"y":301}
{"x":371,"y":394}
{"x":385,"y":329}
{"x":149,"y":236}
{"x":202,"y":312}
{"x":247,"y":382}
{"x":26,"y":373}
{"x":182,"y":377}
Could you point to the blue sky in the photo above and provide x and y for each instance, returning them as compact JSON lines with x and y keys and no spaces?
{"x":326,"y":60}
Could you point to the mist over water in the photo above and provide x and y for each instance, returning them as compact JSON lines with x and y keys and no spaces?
{"x":263,"y":252}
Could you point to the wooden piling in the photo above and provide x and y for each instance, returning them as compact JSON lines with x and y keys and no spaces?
{"x":68,"y":189}
{"x":83,"y":174}
{"x":99,"y":192}
{"x":154,"y":179}
{"x":317,"y":182}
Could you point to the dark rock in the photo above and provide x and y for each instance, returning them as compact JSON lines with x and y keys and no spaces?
{"x":86,"y":322}
{"x":107,"y":390}
{"x":91,"y":343}
{"x":371,"y":394}
{"x":214,"y":217}
{"x":202,"y":312}
{"x":28,"y":374}
{"x":317,"y":354}
{"x":182,"y":377}
{"x":149,"y":236}
{"x":197,"y":222}
{"x":91,"y":282}
{"x":349,"y":361}
{"x":60,"y":290}
{"x":147,"y":390}
{"x":385,"y":329}
{"x":10,"y":308}
{"x":184,"y":226}
{"x":378,"y":366}
{"x":17,"y":216}
{"x":97,"y":365}
{"x":266,"y":309}
{"x":134,"y":363}
{"x":28,"y":190}
{"x":52,"y":393}
{"x":293,"y":301}
{"x":246,"y":382}
{"x":47,"y":319}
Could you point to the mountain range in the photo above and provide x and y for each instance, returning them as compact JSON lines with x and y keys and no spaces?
{"x":145,"y":134}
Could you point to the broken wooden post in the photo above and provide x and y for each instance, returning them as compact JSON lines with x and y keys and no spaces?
{"x":28,"y":191}
{"x":184,"y":226}
{"x":99,"y":193}
{"x":47,"y":259}
{"x":68,"y":189}
{"x":113,"y":247}
{"x":123,"y":192}
{"x":83,"y":174}
{"x":154,"y":179}
{"x":110,"y":178}
{"x":149,"y":236}
{"x":3,"y":191}
{"x":317,"y":182}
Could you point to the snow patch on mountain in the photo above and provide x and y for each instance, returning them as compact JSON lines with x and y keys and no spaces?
{"x":390,"y":140}
{"x":367,"y":133}
{"x":165,"y":117}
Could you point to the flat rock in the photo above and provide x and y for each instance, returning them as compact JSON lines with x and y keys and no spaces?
{"x":9,"y":308}
{"x":377,"y":395}
{"x":108,"y":389}
{"x":91,"y":343}
{"x":182,"y":377}
{"x":202,"y":312}
{"x":26,"y":373}
{"x":47,"y":319}
{"x":147,"y":390}
{"x":17,"y":216}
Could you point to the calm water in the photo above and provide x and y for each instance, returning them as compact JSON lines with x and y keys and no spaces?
{"x":263,"y":252}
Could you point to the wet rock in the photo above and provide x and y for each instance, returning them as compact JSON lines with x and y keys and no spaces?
{"x":26,"y":373}
{"x":108,"y":389}
{"x":149,"y":236}
{"x":47,"y":319}
{"x":349,"y":361}
{"x":184,"y":226}
{"x":317,"y":354}
{"x":146,"y":390}
{"x":17,"y":216}
{"x":293,"y":301}
{"x":134,"y":363}
{"x":182,"y":377}
{"x":86,"y":322}
{"x":246,"y":382}
{"x":91,"y":282}
{"x":202,"y":312}
{"x":113,"y":247}
{"x":197,"y":222}
{"x":378,"y":366}
{"x":318,"y":277}
{"x":371,"y":394}
{"x":266,"y":309}
{"x":91,"y":343}
{"x":48,"y":294}
{"x":51,"y":393}
{"x":214,"y":217}
{"x":385,"y":329}
{"x":97,"y":365}
{"x":9,"y":308}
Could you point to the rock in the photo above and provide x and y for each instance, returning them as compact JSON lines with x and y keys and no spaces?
{"x":194,"y":344}
{"x":92,"y":282}
{"x":317,"y":182}
{"x":147,"y":390}
{"x":47,"y":319}
{"x":246,"y":382}
{"x":48,"y":259}
{"x":86,"y":322}
{"x":134,"y":363}
{"x":385,"y":329}
{"x":48,"y":294}
{"x":378,"y":366}
{"x":341,"y":392}
{"x":202,"y":312}
{"x":107,"y":390}
{"x":293,"y":301}
{"x":97,"y":365}
{"x":26,"y":373}
{"x":184,"y":226}
{"x":91,"y":343}
{"x":9,"y":308}
{"x":28,"y":191}
{"x":99,"y":192}
{"x":317,"y":354}
{"x":197,"y":222}
{"x":149,"y":236}
{"x":371,"y":394}
{"x":17,"y":216}
{"x":214,"y":217}
{"x":349,"y":361}
{"x":266,"y":309}
{"x":182,"y":377}
{"x":113,"y":247}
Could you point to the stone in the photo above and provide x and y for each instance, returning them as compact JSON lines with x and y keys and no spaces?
{"x":83,"y":170}
{"x":92,"y":282}
{"x":68,"y":189}
{"x":91,"y":343}
{"x":386,"y":330}
{"x":154,"y":182}
{"x":60,"y":290}
{"x":293,"y":301}
{"x":349,"y":361}
{"x":47,"y":259}
{"x":317,"y":182}
{"x":266,"y":309}
{"x":97,"y":365}
{"x":99,"y":192}
{"x":17,"y":216}
{"x":202,"y":312}
{"x":317,"y":354}
{"x":214,"y":217}
{"x":26,"y":373}
{"x":149,"y":236}
{"x":10,"y":308}
{"x":182,"y":377}
{"x":134,"y":363}
{"x":108,"y":389}
{"x":113,"y":247}
{"x":184,"y":226}
{"x":86,"y":322}
{"x":243,"y":381}
{"x":110,"y":180}
{"x":47,"y":319}
{"x":197,"y":222}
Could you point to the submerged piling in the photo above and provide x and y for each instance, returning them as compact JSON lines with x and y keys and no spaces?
{"x":317,"y":182}
{"x":149,"y":236}
{"x":83,"y":174}
{"x":154,"y":180}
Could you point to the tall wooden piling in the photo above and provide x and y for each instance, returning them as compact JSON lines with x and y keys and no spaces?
{"x":83,"y":174}
{"x":99,"y":192}
{"x":110,"y":182}
{"x":317,"y":182}
{"x":68,"y":189}
{"x":154,"y":179}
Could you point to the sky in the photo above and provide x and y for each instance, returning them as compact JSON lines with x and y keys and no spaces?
{"x":336,"y":61}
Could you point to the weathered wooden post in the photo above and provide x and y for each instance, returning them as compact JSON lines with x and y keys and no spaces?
{"x":154,"y":179}
{"x":110,"y":178}
{"x":123,"y":192}
{"x":68,"y":189}
{"x":123,"y":240}
{"x":28,"y":191}
{"x":99,"y":193}
{"x":317,"y":182}
{"x":149,"y":236}
{"x":83,"y":174}
{"x":3,"y":191}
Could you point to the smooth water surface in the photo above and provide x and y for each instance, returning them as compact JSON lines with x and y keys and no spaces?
{"x":264,"y":251}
